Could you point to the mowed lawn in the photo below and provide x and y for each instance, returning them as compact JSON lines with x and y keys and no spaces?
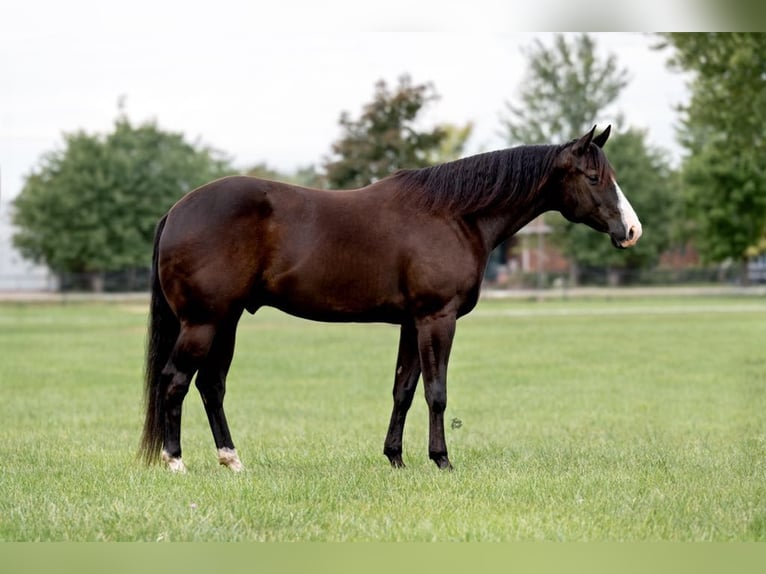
{"x":623,"y":419}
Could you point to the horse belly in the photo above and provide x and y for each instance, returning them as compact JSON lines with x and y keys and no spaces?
{"x":337,"y":291}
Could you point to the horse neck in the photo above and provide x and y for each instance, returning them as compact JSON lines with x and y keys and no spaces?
{"x":495,"y":228}
{"x":532,"y":168}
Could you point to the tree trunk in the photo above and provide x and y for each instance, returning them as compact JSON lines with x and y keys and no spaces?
{"x":574,"y":274}
{"x":613,"y":276}
{"x":744,"y":276}
{"x":96,"y":281}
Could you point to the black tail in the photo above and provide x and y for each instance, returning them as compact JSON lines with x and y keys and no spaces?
{"x":162,"y":335}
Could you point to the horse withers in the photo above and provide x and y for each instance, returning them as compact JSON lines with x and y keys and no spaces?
{"x":409,"y":250}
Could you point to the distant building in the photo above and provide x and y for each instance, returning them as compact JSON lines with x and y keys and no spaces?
{"x":16,"y":273}
{"x":528,"y":259}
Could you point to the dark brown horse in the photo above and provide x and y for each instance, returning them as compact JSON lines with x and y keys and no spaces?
{"x":409,"y":250}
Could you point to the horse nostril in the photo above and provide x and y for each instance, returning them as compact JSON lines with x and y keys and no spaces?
{"x":631,"y":233}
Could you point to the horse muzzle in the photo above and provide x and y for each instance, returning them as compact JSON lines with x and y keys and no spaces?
{"x":629,"y":239}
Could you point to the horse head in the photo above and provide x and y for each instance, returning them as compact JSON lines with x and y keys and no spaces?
{"x":590,"y":193}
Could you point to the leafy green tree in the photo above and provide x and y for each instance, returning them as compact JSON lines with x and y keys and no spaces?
{"x":386,"y":137}
{"x":93,"y":205}
{"x":723,"y":130}
{"x":451,"y":146}
{"x":264,"y":171}
{"x":567,"y":86}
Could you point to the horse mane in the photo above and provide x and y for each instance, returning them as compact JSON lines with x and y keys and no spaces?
{"x":487,"y":181}
{"x":491,"y":180}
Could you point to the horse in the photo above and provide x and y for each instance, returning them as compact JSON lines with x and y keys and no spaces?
{"x":409,"y":250}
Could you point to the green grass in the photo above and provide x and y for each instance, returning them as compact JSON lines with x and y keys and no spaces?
{"x":581,"y":420}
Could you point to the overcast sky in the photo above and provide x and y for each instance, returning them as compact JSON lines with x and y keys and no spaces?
{"x":221,"y":72}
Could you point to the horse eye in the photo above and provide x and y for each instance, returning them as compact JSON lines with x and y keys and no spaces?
{"x":593,"y":179}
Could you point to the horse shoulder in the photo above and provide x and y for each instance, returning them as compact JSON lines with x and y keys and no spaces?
{"x":444,"y":265}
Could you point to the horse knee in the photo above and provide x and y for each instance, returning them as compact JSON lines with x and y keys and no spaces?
{"x":403,"y":396}
{"x":176,"y":389}
{"x":436,"y":397}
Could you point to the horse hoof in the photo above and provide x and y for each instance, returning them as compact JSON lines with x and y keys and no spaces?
{"x":394,"y":457}
{"x":443,"y":462}
{"x":397,"y":462}
{"x":228,"y":457}
{"x":175,"y":464}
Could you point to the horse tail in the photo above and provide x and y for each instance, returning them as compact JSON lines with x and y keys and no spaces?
{"x":162,"y":334}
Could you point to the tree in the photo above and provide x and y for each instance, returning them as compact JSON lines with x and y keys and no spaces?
{"x":723,"y":130}
{"x":386,"y":137}
{"x":567,"y":86}
{"x":92,"y":206}
{"x":646,"y":177}
{"x":452,"y":144}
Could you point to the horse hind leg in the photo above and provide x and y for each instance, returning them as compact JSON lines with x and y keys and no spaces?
{"x":191,"y":347}
{"x":211,"y":383}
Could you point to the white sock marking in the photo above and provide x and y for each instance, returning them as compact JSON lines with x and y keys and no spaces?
{"x":174,"y":464}
{"x":228,"y":457}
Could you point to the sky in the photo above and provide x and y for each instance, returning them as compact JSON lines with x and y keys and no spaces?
{"x":267,"y":83}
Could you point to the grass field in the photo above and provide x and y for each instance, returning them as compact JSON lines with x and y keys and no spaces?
{"x":581,"y":420}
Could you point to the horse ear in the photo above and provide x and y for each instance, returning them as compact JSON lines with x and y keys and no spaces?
{"x":601,"y":138}
{"x":581,"y":145}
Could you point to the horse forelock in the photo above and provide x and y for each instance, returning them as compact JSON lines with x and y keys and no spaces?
{"x":478,"y":183}
{"x":597,"y":160}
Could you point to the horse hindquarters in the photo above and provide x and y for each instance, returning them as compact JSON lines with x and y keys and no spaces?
{"x":176,"y":350}
{"x":169,"y":368}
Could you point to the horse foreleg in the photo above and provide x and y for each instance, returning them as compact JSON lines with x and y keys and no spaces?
{"x":405,"y":382}
{"x":192,"y":345}
{"x":435,"y":334}
{"x":211,"y":383}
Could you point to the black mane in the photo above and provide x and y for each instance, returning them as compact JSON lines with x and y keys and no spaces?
{"x":491,"y":180}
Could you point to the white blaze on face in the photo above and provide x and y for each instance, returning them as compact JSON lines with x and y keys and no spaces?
{"x":629,"y":218}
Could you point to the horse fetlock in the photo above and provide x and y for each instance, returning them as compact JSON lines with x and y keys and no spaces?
{"x":228,"y":457}
{"x":175,"y":464}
